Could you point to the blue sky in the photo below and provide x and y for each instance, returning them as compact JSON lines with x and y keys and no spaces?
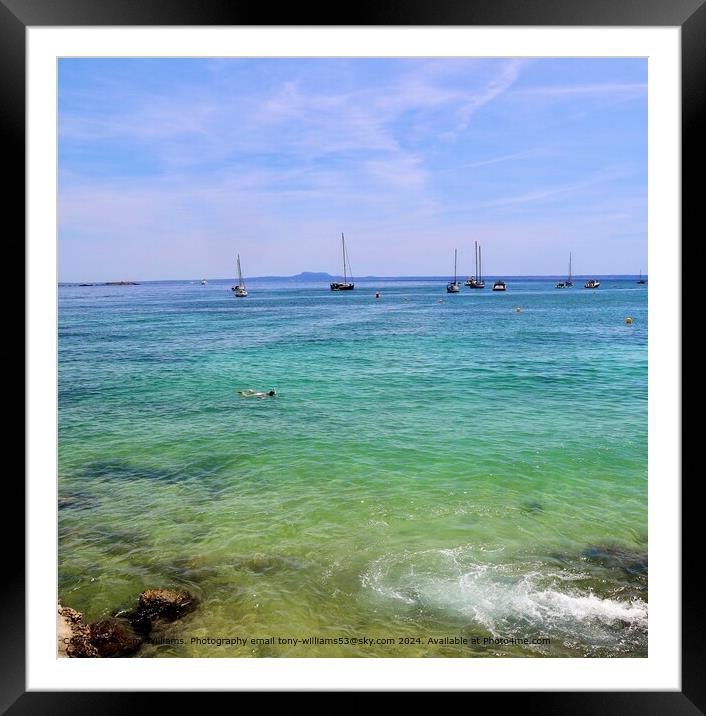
{"x":168,"y":167}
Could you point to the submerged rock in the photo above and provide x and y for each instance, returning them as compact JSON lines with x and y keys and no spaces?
{"x":160,"y":604}
{"x":612,"y":557}
{"x":114,"y":637}
{"x":77,"y":500}
{"x":261,"y":563}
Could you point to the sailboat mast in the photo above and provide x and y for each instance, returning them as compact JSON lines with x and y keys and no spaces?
{"x":476,"y":258}
{"x":348,"y":261}
{"x":480,"y":265}
{"x":569,"y":265}
{"x":343,"y":248}
{"x":455,"y":253}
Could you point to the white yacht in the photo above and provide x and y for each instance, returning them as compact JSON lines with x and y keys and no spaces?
{"x":240,"y":290}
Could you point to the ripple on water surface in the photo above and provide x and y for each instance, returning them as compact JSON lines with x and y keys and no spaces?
{"x":428,"y":469}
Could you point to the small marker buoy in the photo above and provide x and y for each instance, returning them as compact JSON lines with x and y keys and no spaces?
{"x":377,"y":294}
{"x":628,"y":320}
{"x":441,"y":300}
{"x":518,"y":310}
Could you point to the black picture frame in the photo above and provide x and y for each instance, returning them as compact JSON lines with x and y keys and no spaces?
{"x":689,"y":15}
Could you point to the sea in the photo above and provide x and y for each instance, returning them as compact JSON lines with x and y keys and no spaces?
{"x":438,"y":475}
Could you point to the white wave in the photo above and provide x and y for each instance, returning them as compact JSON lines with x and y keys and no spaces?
{"x":501,"y":598}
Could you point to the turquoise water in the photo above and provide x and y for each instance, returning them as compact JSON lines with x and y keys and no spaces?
{"x":434,"y":466}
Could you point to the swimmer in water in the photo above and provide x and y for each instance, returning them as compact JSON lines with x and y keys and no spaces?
{"x":250,"y":393}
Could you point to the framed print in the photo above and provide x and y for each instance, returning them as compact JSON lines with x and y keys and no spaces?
{"x":338,"y":366}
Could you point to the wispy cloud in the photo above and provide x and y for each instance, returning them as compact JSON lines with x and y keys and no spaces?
{"x":270,"y":153}
{"x":526,"y":154}
{"x":629,"y":89}
{"x":604,"y":177}
{"x":497,"y":86}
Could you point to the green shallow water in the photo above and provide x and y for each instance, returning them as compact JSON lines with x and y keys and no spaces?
{"x":429,"y":470}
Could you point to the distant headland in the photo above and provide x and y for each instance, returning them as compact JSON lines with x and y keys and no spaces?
{"x":106,"y":283}
{"x":312,"y":276}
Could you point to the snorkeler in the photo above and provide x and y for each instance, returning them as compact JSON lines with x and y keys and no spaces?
{"x":250,"y":393}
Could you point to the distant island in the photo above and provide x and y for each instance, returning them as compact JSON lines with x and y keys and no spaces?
{"x":313,"y":275}
{"x":107,"y":283}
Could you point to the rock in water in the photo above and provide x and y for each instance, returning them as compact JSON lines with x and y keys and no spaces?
{"x":74,"y":636}
{"x":260,"y":563}
{"x":532,"y":506}
{"x":616,"y":557}
{"x":165,"y":604}
{"x":124,"y":633}
{"x":169,"y":604}
{"x":114,"y":637}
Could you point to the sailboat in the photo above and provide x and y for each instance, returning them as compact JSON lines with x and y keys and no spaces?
{"x":569,"y":281}
{"x":239,"y":290}
{"x":346,"y":285}
{"x":642,"y":280}
{"x":454,"y":286}
{"x":477,"y":280}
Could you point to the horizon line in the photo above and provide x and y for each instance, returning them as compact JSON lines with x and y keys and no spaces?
{"x":322,"y":276}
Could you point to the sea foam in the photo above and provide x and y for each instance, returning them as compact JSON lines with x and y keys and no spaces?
{"x":504,"y":599}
